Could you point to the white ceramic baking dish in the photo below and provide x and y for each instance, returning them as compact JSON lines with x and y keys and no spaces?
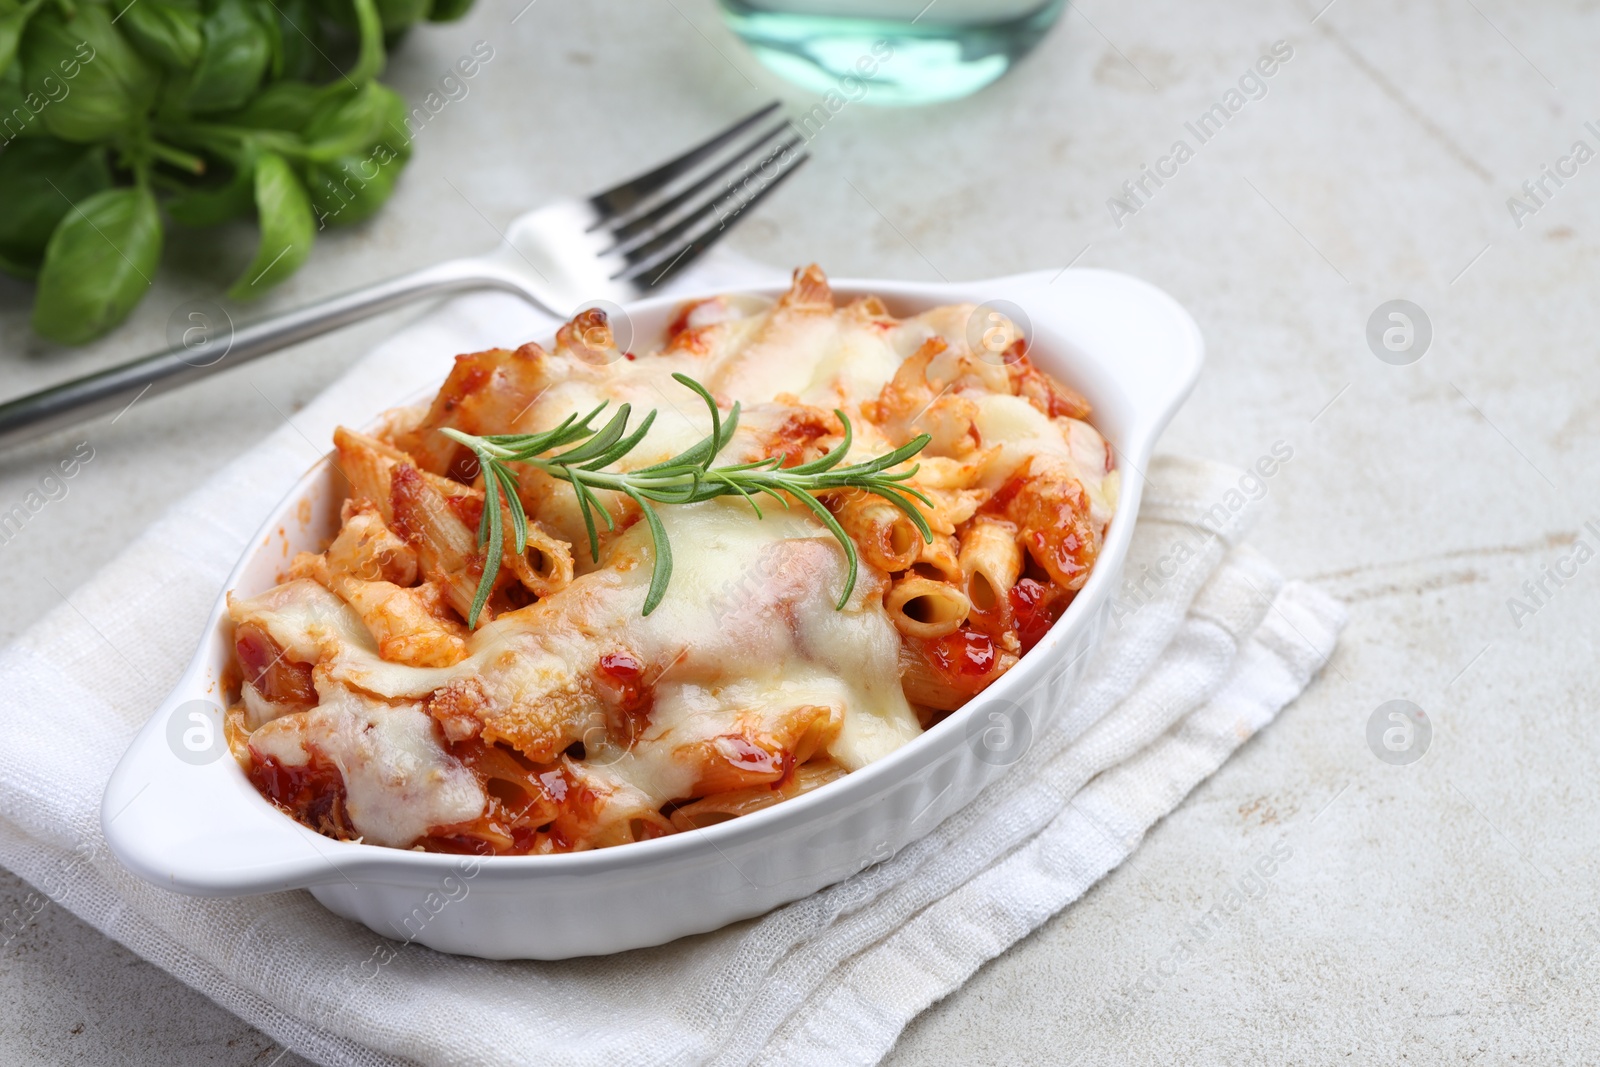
{"x":180,"y":813}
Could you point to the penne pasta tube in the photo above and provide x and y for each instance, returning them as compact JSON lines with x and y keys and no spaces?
{"x":544,"y":565}
{"x":1050,"y":507}
{"x":943,"y":674}
{"x":485,"y":393}
{"x":885,"y":536}
{"x":924,"y":684}
{"x":366,"y":549}
{"x":720,"y":807}
{"x":991,"y":563}
{"x":444,"y":543}
{"x":614,"y":812}
{"x":938,"y":560}
{"x":760,"y":753}
{"x":519,"y":802}
{"x":366,"y":463}
{"x":369,"y":464}
{"x":401,"y":621}
{"x":922,"y":607}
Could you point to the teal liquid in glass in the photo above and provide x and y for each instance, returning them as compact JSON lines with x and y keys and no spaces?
{"x":891,"y":52}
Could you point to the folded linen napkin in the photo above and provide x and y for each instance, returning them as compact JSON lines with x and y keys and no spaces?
{"x":1193,"y":663}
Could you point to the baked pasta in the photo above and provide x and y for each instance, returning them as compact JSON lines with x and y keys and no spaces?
{"x":565,"y":716}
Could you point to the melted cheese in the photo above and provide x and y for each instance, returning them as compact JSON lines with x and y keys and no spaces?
{"x":399,"y":781}
{"x":313,"y":625}
{"x":748,"y":631}
{"x":748,"y":628}
{"x":748,"y":642}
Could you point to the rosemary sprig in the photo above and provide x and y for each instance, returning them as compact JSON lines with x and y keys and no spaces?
{"x":686,"y":478}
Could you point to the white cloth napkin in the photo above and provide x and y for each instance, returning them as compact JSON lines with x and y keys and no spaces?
{"x":1191,"y":667}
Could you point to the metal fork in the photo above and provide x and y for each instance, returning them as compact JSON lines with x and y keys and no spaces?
{"x":616,"y":245}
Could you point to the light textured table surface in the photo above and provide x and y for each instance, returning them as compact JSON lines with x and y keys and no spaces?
{"x":1441,"y":912}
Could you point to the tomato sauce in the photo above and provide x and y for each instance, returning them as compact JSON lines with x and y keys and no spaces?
{"x":621,"y":677}
{"x":268,"y":667}
{"x":313,"y":793}
{"x":796,"y":438}
{"x":1035,"y":607}
{"x":469,"y":509}
{"x":963,"y":656}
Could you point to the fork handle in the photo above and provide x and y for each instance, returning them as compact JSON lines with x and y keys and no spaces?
{"x":117,"y":387}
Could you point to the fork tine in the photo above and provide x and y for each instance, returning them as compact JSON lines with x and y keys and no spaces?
{"x":629,"y":227}
{"x":621,"y":198}
{"x":656,"y":269}
{"x":646,"y":246}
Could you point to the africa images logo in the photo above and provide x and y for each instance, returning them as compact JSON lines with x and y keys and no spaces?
{"x":1138,"y":191}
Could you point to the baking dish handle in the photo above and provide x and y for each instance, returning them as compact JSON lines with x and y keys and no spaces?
{"x":1153,"y":348}
{"x":234,"y":843}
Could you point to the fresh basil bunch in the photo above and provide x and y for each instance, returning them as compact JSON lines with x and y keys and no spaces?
{"x":118,"y":114}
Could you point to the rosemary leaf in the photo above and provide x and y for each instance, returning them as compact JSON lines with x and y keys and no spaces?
{"x":689,"y":477}
{"x":661,"y":573}
{"x":491,"y":556}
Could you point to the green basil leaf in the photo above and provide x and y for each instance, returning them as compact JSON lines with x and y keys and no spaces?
{"x":237,"y":51}
{"x":369,"y":63}
{"x":96,"y":84}
{"x":396,"y":133}
{"x":394,"y":16}
{"x":11,"y":26}
{"x":40,"y":180}
{"x":214,"y":203}
{"x":167,"y":31}
{"x":448,"y":10}
{"x":352,"y":188}
{"x":354,"y":122}
{"x":98,"y":263}
{"x":19,"y":110}
{"x":267,"y":19}
{"x":299,"y":46}
{"x":398,"y":15}
{"x":342,"y":12}
{"x":286,"y":105}
{"x":287,"y":228}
